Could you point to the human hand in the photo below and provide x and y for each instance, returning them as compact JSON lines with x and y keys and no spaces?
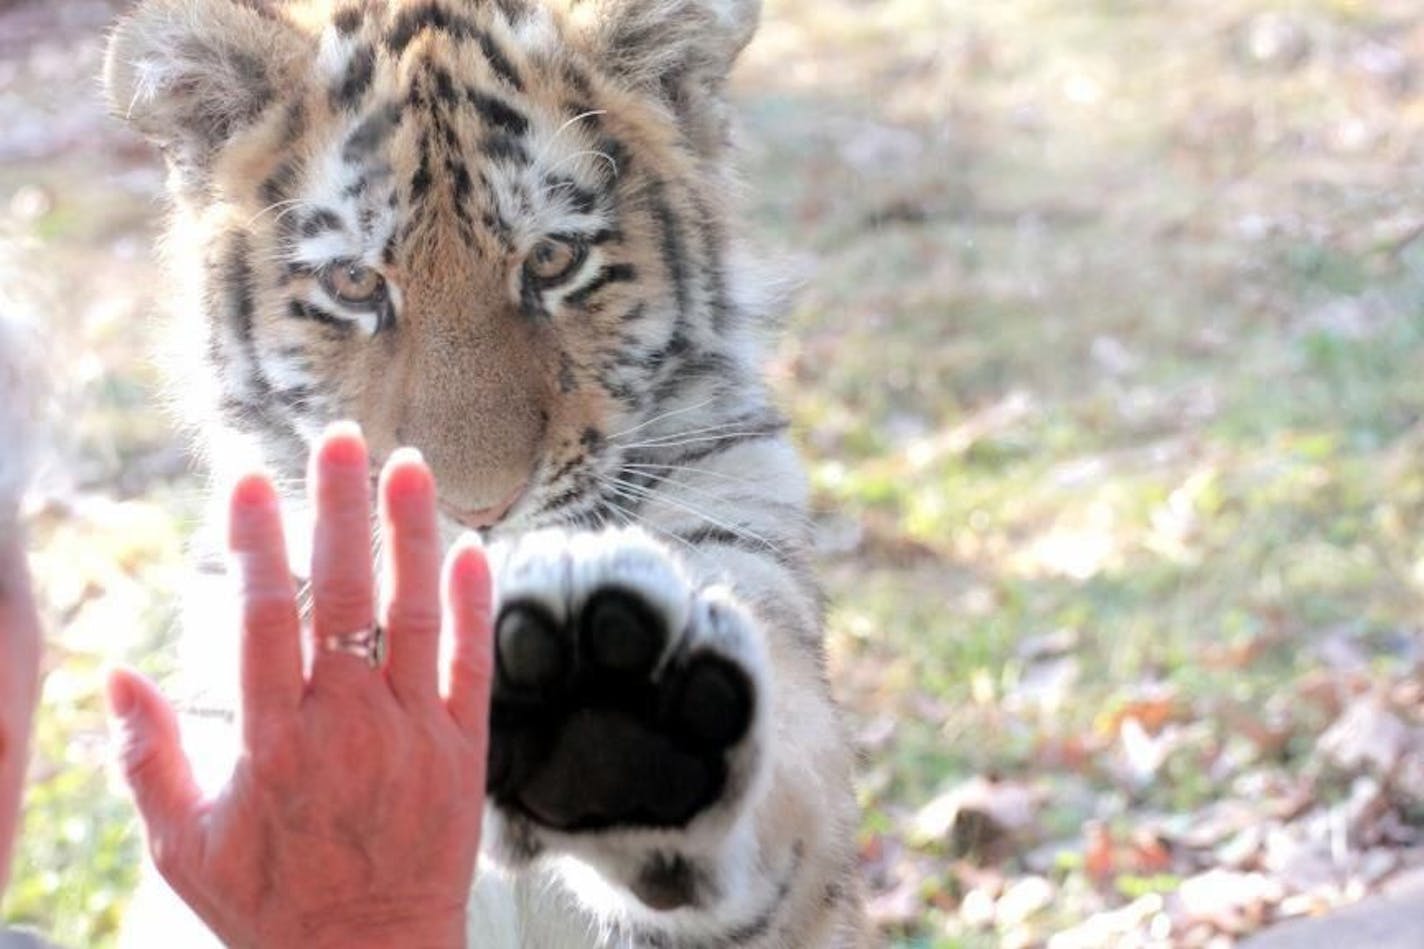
{"x":20,"y":403}
{"x":352,"y":817}
{"x":19,"y":682}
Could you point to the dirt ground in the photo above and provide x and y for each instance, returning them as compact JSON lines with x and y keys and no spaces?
{"x":1108,"y":365}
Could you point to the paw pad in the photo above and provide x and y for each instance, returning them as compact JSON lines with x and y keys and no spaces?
{"x":614,"y":706}
{"x":621,"y":633}
{"x":715,"y":705}
{"x":530,"y":648}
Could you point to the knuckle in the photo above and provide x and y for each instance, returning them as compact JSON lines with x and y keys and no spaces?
{"x":167,"y":856}
{"x":414,"y":618}
{"x":141,"y":758}
{"x":271,"y":761}
{"x":281,"y":748}
{"x":267,"y":611}
{"x":343,"y":597}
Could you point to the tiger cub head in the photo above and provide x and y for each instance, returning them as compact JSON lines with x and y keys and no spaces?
{"x":495,"y":230}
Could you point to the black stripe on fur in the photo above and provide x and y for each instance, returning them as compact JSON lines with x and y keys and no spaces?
{"x":614,"y":273}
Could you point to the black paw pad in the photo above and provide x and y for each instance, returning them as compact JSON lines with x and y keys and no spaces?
{"x":714,"y":706}
{"x":622,"y":633}
{"x":499,"y":766}
{"x":603,"y":721}
{"x":668,"y":882}
{"x":532,"y":653}
{"x":514,"y":752}
{"x":605,"y":769}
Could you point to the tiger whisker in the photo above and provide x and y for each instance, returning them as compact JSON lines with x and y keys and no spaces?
{"x":684,"y":486}
{"x":704,"y":430}
{"x":713,"y":437}
{"x":651,"y":496}
{"x":633,"y":519}
{"x":691,"y":469}
{"x":552,"y":190}
{"x":661,"y":416}
{"x":652,"y":469}
{"x":544,"y":152}
{"x":288,"y":206}
{"x":582,"y":154}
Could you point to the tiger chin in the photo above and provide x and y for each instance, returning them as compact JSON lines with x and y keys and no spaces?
{"x":501,"y":231}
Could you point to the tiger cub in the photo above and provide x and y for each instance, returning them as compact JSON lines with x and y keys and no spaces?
{"x":501,"y":231}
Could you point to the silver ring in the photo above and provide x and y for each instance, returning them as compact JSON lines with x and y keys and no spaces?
{"x":368,"y":644}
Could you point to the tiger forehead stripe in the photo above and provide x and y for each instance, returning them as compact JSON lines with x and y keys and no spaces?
{"x":373,"y":132}
{"x":360,"y":70}
{"x":413,"y":21}
{"x":496,"y":113}
{"x":348,"y":20}
{"x":514,"y":10}
{"x":429,"y":16}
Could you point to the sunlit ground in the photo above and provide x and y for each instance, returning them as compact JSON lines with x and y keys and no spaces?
{"x":1108,"y":361}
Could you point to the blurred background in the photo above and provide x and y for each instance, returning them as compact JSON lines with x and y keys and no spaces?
{"x":1108,"y":363}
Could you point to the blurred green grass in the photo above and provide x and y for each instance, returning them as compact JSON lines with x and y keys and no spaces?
{"x":1113,"y":326}
{"x":1109,"y":327}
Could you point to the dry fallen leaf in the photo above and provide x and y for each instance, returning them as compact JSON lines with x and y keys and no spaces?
{"x":1147,"y":853}
{"x":1368,"y":735}
{"x":1230,"y":901}
{"x":977,"y":908}
{"x":983,"y":818}
{"x":1144,"y":753}
{"x":1124,"y":927}
{"x":1022,"y":899}
{"x":1099,"y":860}
{"x":1152,"y":708}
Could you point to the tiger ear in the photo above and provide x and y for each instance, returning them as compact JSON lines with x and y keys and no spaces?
{"x":189,"y":74}
{"x":681,"y":50}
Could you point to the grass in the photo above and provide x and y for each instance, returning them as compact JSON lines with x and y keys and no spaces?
{"x":1111,"y":333}
{"x":1111,"y":329}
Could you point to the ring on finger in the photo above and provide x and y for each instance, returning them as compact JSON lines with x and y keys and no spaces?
{"x":368,"y":644}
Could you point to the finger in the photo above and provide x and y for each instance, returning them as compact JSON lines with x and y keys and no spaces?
{"x":412,"y":545}
{"x":155,"y":768}
{"x":341,"y":553}
{"x":467,"y":605}
{"x":271,"y":663}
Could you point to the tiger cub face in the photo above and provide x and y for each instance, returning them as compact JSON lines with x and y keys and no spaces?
{"x":490,"y":229}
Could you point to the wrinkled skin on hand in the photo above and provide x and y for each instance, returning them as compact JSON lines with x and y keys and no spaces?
{"x":352,"y":817}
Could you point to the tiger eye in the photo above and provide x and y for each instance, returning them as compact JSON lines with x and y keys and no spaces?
{"x":354,"y":284}
{"x":553,"y":259}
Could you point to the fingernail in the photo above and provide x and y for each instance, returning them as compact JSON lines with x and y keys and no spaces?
{"x":408,"y":454}
{"x":343,"y":445}
{"x":348,"y":427}
{"x":253,"y":489}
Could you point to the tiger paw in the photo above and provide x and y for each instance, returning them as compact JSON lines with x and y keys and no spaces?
{"x":624,"y":698}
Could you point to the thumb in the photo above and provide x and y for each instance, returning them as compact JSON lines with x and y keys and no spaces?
{"x":153,"y":763}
